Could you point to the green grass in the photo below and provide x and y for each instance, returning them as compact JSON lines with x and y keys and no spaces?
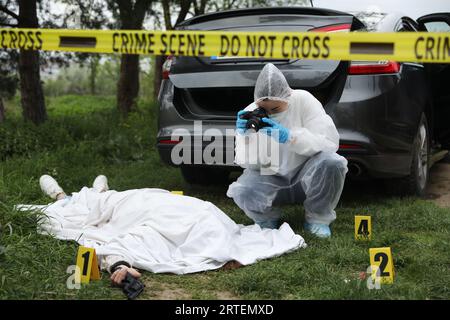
{"x":85,"y":137}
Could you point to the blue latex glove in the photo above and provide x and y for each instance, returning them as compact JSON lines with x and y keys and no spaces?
{"x":241,"y":124}
{"x":283,"y":133}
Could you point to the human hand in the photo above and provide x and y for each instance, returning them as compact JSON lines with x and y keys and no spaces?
{"x":273,"y":126}
{"x":121,"y":272}
{"x":241,"y":124}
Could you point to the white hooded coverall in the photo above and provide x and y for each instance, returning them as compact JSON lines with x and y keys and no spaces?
{"x":309,"y":169}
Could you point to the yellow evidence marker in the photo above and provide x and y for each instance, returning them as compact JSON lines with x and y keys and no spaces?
{"x":87,"y":264}
{"x":177,"y":192}
{"x":382,"y":262}
{"x":363,"y":228}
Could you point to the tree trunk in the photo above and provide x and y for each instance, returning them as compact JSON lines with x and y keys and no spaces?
{"x":131,"y":18}
{"x":2,"y":111}
{"x":159,"y":60}
{"x":128,"y":85}
{"x":93,"y":68}
{"x":32,"y":96}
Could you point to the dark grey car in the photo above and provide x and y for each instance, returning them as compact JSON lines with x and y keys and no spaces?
{"x":393,"y":118}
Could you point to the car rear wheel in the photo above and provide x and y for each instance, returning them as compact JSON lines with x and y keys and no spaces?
{"x":416,"y":182}
{"x":204,"y":175}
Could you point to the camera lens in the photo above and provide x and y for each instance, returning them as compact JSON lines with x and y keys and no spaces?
{"x":253,"y":123}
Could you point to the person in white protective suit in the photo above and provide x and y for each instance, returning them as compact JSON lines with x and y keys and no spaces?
{"x":155,"y":230}
{"x":308,"y":170}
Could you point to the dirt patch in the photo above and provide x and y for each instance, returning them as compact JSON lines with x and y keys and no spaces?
{"x":438,"y":189}
{"x":156,"y":290}
{"x":159,"y":290}
{"x":165,"y":291}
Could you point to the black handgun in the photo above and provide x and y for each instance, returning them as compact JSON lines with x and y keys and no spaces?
{"x":131,"y":286}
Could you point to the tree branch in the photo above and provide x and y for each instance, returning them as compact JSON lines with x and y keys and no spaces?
{"x":140,"y":10}
{"x":216,"y":6}
{"x":185,"y":5}
{"x":9,"y":12}
{"x":166,"y":10}
{"x":231,"y":4}
{"x":125,"y":12}
{"x":203,"y":6}
{"x":196,"y":8}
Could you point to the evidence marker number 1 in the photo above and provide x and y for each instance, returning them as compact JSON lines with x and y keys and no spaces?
{"x":87,"y":265}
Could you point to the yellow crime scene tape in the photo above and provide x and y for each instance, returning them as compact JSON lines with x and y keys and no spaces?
{"x":401,"y":46}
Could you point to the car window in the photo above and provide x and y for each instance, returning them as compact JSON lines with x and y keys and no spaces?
{"x":437,"y":26}
{"x":370,"y":19}
{"x":407,"y":25}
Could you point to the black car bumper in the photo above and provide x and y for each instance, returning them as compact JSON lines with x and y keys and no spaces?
{"x":363,"y":160}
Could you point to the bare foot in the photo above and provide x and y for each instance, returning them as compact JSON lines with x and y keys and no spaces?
{"x":60,"y":196}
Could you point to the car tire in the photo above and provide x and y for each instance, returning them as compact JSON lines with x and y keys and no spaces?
{"x":204,"y":176}
{"x":416,"y":182}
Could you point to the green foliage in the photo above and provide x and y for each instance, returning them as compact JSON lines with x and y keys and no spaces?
{"x":78,"y":78}
{"x":25,"y":139}
{"x":20,"y":138}
{"x":75,"y":79}
{"x":8,"y":84}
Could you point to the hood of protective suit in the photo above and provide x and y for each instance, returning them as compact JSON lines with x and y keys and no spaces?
{"x":271,"y":84}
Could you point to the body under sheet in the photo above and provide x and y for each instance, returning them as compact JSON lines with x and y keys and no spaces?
{"x":161,"y":232}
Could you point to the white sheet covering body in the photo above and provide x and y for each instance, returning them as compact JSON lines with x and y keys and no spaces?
{"x":159,"y":231}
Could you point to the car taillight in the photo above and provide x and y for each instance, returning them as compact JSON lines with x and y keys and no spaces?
{"x":373,"y":67}
{"x":169,"y":141}
{"x":343,"y":27}
{"x":350,"y":146}
{"x":166,"y":67}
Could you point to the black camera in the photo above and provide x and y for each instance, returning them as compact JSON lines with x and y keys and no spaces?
{"x":254,"y":119}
